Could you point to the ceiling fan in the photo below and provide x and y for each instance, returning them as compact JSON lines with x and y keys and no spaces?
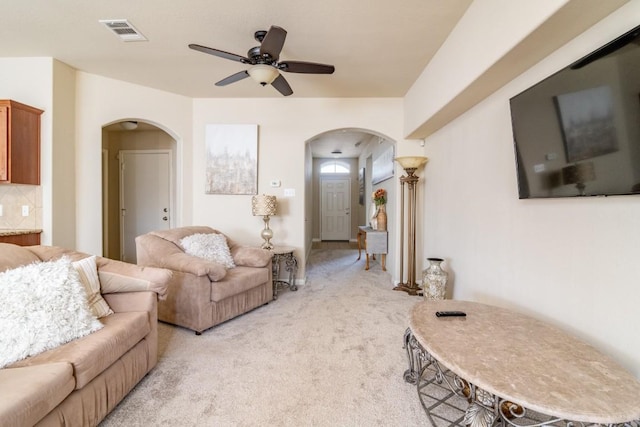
{"x":264,"y":61}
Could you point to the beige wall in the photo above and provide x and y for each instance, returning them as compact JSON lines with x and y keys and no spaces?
{"x":63,"y":158}
{"x":493,"y":42}
{"x":572,"y":262}
{"x":29,"y":80}
{"x":284,"y":127}
{"x":101,"y":101}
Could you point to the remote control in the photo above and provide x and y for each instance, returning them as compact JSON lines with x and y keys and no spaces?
{"x":451,"y":313}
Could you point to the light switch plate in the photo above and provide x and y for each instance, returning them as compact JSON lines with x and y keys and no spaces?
{"x":25,"y":210}
{"x":289,"y":192}
{"x":1,"y":212}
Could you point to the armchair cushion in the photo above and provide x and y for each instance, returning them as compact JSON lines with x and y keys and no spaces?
{"x":248,"y":256}
{"x":118,"y":276}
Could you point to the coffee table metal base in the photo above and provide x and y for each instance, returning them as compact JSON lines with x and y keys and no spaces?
{"x":450,"y":400}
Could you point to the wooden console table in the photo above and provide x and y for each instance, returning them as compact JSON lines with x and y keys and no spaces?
{"x":373,"y":242}
{"x":499,"y":367}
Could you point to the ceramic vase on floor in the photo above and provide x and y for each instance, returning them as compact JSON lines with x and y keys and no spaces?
{"x":434,"y":280}
{"x":382,"y":218}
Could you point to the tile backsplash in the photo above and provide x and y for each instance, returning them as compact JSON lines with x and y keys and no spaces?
{"x":12,"y":198}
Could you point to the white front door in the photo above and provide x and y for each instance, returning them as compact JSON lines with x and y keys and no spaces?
{"x":145,"y":196}
{"x":335,"y":209}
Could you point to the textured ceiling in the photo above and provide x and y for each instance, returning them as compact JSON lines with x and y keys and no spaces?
{"x":378,"y":47}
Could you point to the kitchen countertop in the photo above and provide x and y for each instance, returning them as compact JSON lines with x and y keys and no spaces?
{"x":17,"y":232}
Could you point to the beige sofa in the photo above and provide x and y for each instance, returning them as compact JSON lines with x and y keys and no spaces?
{"x":79,"y":383}
{"x":203,"y":293}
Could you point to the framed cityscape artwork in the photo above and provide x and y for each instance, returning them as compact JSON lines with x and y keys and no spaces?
{"x":231,"y":159}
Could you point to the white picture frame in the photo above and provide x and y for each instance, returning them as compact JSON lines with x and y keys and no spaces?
{"x":382,"y":166}
{"x":231,"y":159}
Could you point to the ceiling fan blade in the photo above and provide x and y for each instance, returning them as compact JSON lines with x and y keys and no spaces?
{"x":273,"y":42}
{"x":233,"y":78}
{"x":306,"y":67}
{"x":220,"y":53}
{"x":281,"y":85}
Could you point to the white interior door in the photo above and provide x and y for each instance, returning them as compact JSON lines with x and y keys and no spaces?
{"x":335,"y":209}
{"x":145,"y":196}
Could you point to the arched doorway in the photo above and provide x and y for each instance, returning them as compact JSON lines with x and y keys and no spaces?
{"x":138,"y":184}
{"x":354,"y":150}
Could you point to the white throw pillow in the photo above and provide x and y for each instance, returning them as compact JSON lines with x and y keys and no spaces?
{"x":42,"y":306}
{"x":212,"y":247}
{"x":88,"y":272}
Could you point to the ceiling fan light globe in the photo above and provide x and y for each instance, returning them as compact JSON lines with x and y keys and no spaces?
{"x":263,"y":74}
{"x":129,"y":125}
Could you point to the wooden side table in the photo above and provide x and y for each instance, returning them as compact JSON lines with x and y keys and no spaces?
{"x":373,"y":242}
{"x":284,"y":255}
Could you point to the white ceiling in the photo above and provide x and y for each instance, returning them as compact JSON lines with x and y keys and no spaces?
{"x":378,"y":47}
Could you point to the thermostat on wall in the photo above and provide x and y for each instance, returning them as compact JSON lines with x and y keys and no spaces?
{"x":275,"y":183}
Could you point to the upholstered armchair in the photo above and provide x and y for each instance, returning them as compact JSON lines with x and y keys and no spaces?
{"x":203,"y":293}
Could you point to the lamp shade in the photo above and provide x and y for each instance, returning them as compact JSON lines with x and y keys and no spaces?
{"x":411,"y":162}
{"x":263,"y":205}
{"x":263,"y":74}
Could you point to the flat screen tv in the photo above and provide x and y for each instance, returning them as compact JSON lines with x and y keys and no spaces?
{"x":577,"y":133}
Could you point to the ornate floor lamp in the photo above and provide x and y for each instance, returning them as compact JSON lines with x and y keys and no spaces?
{"x":264,"y":206}
{"x":410,"y":165}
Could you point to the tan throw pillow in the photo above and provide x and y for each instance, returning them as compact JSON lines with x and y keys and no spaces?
{"x":88,"y":272}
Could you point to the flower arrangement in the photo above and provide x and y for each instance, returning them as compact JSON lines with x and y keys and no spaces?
{"x":379,"y":196}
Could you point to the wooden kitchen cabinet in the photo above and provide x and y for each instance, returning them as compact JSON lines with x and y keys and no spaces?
{"x":19,"y":143}
{"x":21,"y":239}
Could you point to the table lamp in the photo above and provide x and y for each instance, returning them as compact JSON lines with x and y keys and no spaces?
{"x":578,"y":174}
{"x":264,"y":206}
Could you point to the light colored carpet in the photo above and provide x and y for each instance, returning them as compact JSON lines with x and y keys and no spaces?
{"x":329,"y":354}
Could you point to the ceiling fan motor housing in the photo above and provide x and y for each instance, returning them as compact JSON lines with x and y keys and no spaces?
{"x":263,"y":60}
{"x":258,"y":58}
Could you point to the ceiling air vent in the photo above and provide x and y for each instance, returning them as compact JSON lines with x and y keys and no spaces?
{"x":123,"y":29}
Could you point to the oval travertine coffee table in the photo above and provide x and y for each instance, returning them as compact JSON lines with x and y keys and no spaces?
{"x":496,"y":366}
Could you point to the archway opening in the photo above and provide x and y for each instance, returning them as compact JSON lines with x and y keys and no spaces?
{"x":138,"y":184}
{"x":350,"y":153}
